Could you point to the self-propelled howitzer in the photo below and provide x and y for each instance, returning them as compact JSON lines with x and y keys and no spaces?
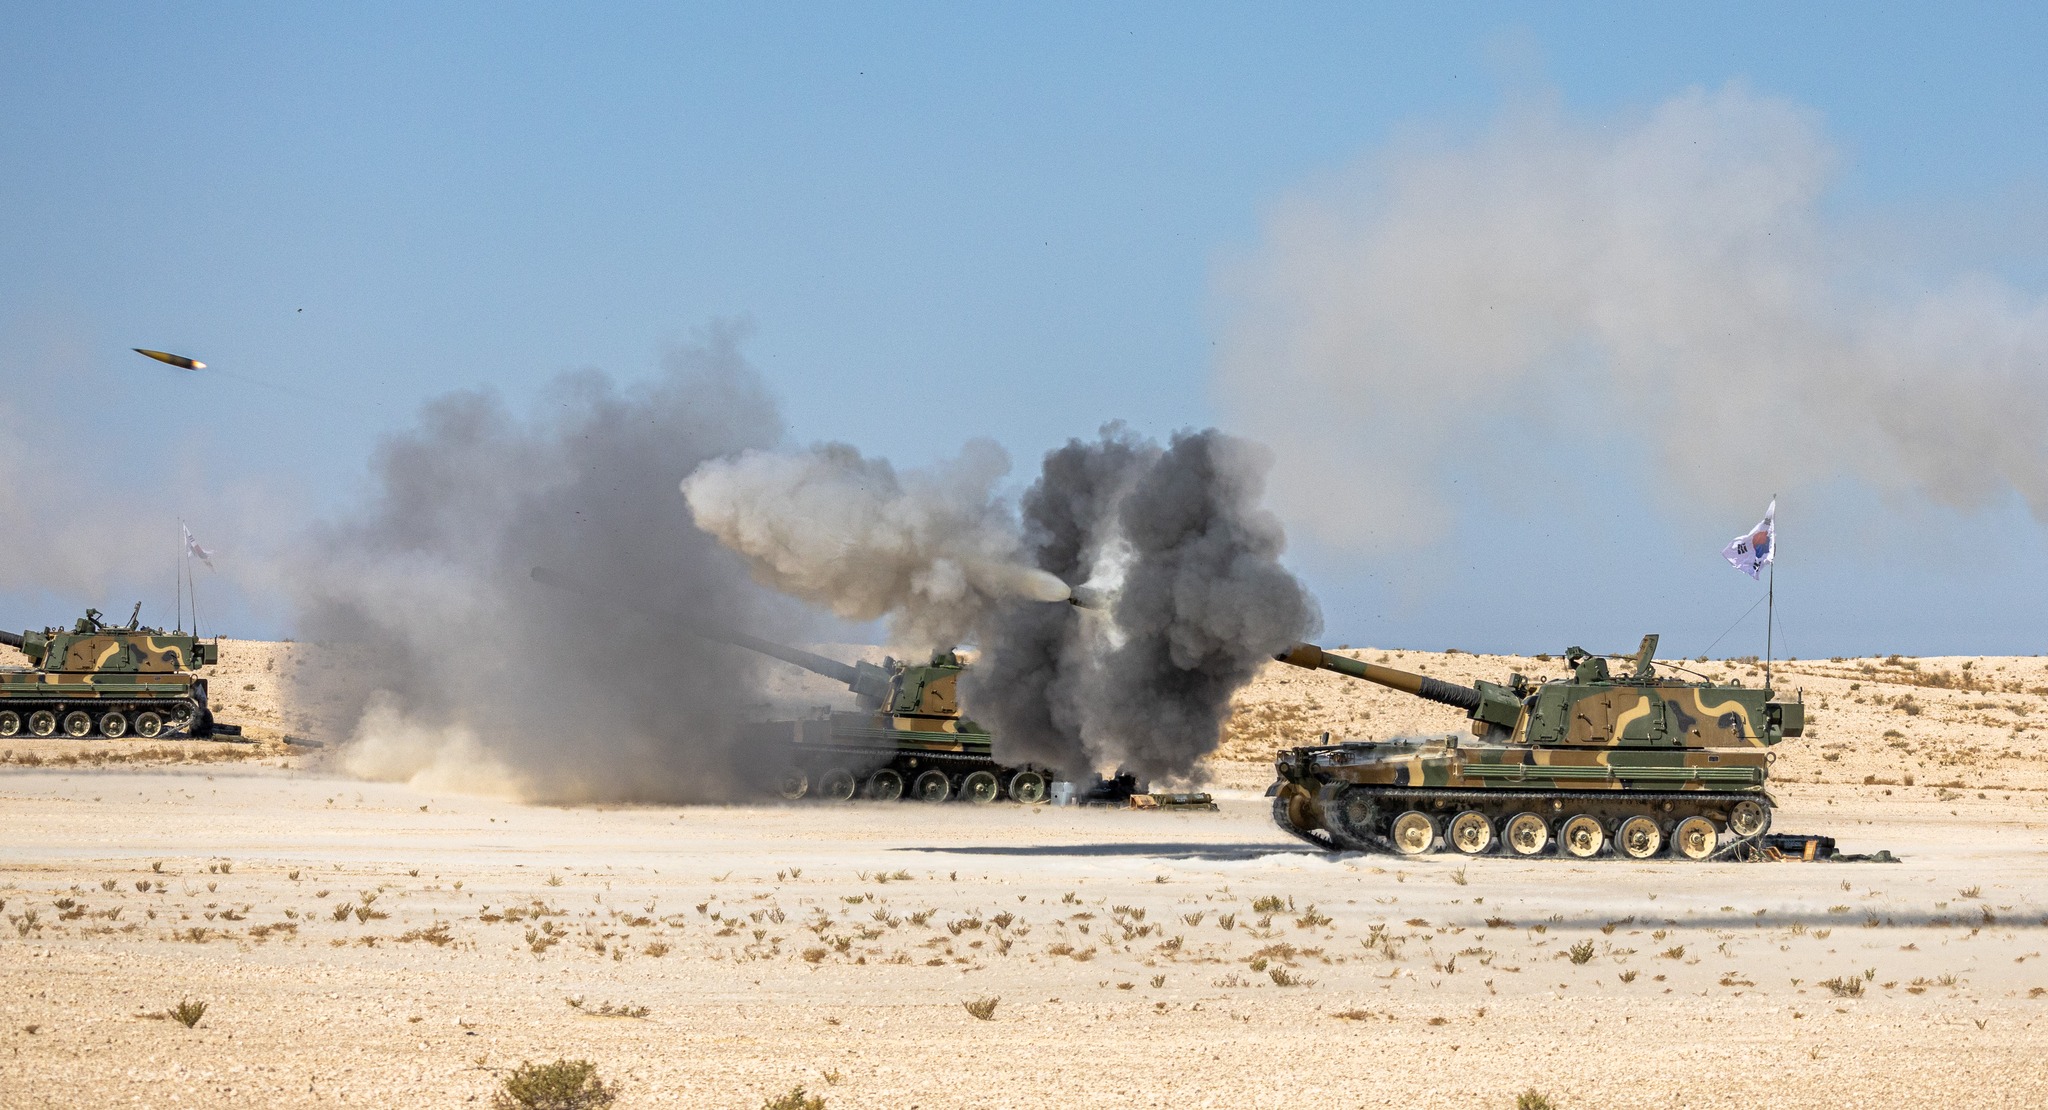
{"x":907,"y":734}
{"x":1637,"y":764}
{"x":107,"y":680}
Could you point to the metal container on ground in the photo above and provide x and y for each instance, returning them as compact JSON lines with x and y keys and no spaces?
{"x":1636,"y":766}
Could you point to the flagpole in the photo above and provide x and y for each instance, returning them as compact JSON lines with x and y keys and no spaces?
{"x":178,"y":575}
{"x":1770,"y":615}
{"x":1770,"y":592}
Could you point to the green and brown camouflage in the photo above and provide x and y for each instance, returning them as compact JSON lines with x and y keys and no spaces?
{"x":1636,"y":763}
{"x":907,"y":738}
{"x":99,"y":679}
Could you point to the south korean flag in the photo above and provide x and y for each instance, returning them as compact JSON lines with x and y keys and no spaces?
{"x":1756,"y":549}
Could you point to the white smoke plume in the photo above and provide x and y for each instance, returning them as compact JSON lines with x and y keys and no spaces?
{"x":1671,"y":283}
{"x":933,"y":549}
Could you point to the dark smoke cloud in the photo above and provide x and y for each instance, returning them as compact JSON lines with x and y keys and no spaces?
{"x":1202,"y":602}
{"x":457,"y":671}
{"x":1037,"y":659}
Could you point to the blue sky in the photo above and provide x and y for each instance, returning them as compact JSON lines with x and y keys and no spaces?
{"x":942,"y":222}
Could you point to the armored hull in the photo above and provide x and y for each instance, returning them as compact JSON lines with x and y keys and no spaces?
{"x":840,"y":755}
{"x":1636,"y":766}
{"x":97,"y":680}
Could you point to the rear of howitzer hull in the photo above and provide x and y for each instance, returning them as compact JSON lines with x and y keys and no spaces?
{"x":1415,"y":799}
{"x":855,"y":755}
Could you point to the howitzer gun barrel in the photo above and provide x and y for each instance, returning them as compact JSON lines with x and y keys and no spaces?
{"x":816,"y":664}
{"x":1313,"y":658}
{"x":10,"y":639}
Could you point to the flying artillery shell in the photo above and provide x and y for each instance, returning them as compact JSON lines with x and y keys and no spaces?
{"x":179,"y":361}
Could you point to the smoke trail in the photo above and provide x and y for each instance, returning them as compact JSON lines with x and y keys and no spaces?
{"x":1670,"y":282}
{"x":1203,"y":602}
{"x":1037,"y":660}
{"x":461,"y":672}
{"x":934,"y":550}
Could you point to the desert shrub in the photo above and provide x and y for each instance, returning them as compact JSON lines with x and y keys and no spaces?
{"x":187,"y":1012}
{"x":562,"y":1085}
{"x":1582,"y":952}
{"x":794,"y":1100}
{"x":1848,"y":986}
{"x":983,"y":1008}
{"x":1531,"y":1099}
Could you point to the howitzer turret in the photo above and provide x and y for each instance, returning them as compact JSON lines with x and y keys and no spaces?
{"x":107,"y":680}
{"x":1636,"y":764}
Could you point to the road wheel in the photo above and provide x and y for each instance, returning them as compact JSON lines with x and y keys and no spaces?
{"x":10,"y":723}
{"x":114,"y":725}
{"x":1694,"y":839}
{"x":836,"y":785}
{"x":1470,"y":832}
{"x":1027,"y":787}
{"x":1412,"y":833}
{"x":1582,"y":836}
{"x":42,"y":723}
{"x":1352,"y":819}
{"x":1526,"y":834}
{"x":793,"y":784}
{"x":1748,"y":818}
{"x":148,"y":724}
{"x":884,"y":785}
{"x":980,"y":788}
{"x":1639,"y":837}
{"x":932,"y":786}
{"x":78,"y":723}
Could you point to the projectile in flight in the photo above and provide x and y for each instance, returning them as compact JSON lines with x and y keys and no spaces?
{"x":179,"y":361}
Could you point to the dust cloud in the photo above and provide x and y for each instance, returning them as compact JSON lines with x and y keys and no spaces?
{"x":1674,"y":284}
{"x":451,"y":668}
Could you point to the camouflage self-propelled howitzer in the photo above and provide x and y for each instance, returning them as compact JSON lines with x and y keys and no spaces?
{"x":1636,"y":764}
{"x":907,"y":736}
{"x":96,"y":679}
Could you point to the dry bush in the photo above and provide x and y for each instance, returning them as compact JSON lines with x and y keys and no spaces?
{"x":562,"y":1085}
{"x":187,"y":1012}
{"x":983,"y":1008}
{"x":436,"y":935}
{"x":1848,"y":986}
{"x":795,"y":1100}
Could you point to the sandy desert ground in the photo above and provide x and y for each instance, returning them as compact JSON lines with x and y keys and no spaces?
{"x":372,"y":944}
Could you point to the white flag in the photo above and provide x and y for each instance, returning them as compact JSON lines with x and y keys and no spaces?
{"x":1755,"y":549}
{"x":192,"y":548}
